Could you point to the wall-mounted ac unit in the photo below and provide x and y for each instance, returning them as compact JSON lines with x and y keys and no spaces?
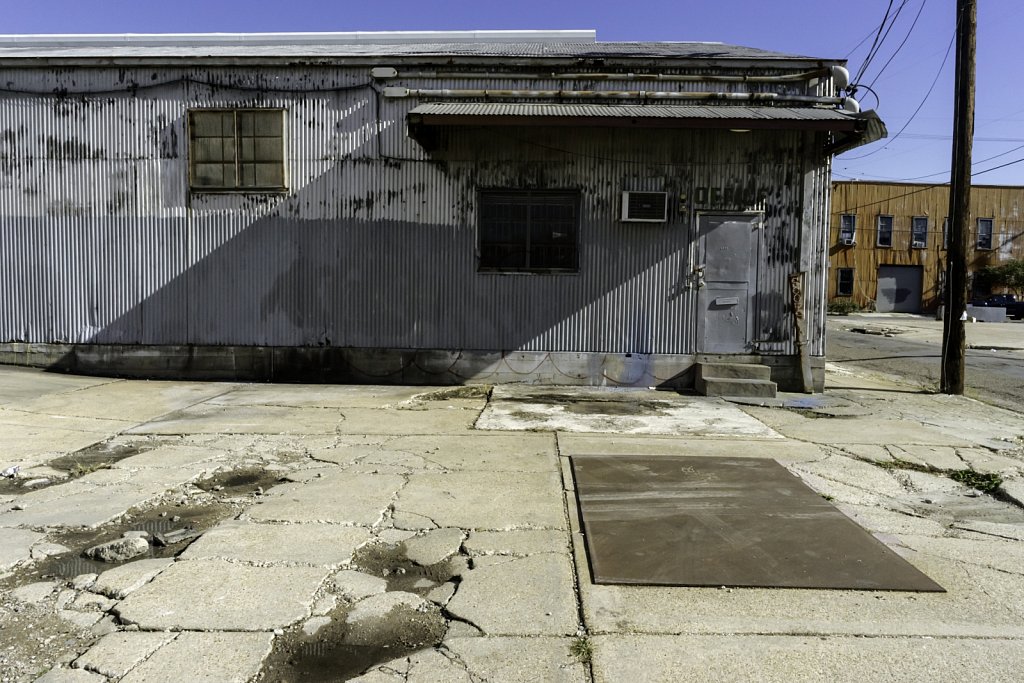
{"x":645,"y":207}
{"x":848,"y":241}
{"x":917,"y":245}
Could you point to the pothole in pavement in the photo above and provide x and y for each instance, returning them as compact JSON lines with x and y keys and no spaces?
{"x":239,"y":482}
{"x":99,"y":456}
{"x":340,"y":650}
{"x":165,"y":520}
{"x":170,"y":526}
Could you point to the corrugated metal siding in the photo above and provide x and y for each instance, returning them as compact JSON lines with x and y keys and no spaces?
{"x":903,"y":201}
{"x":374,"y":244}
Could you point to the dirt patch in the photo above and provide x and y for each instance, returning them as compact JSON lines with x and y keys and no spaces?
{"x":450,"y":393}
{"x":402,"y":574}
{"x":330,"y":655}
{"x":240,"y":482}
{"x":162,"y":519}
{"x":96,"y":457}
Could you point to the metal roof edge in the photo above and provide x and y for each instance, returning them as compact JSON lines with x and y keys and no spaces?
{"x":296,"y":38}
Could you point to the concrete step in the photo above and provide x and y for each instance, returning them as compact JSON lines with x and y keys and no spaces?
{"x":734,"y":371}
{"x":735,"y":387}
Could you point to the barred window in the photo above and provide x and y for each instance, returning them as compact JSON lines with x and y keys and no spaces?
{"x":236,"y":150}
{"x":529,"y":231}
{"x":919,"y":232}
{"x":984,"y":233}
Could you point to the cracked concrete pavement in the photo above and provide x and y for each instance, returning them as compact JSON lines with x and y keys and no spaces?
{"x":441,"y":526}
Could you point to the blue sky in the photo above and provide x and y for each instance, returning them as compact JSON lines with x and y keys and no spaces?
{"x":819,"y":28}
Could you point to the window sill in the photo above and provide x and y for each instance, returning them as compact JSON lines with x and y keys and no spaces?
{"x":239,"y":190}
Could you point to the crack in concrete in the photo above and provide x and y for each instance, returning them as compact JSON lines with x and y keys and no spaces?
{"x":457,"y":659}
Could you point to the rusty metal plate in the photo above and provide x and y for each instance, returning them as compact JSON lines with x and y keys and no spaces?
{"x":696,"y":521}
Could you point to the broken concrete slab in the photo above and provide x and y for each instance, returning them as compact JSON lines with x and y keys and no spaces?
{"x":781,"y":659}
{"x":120,"y":582}
{"x":16,"y":546}
{"x":528,"y":452}
{"x":433,"y":546}
{"x":170,"y":456}
{"x":219,"y":595}
{"x":311,"y":626}
{"x":325,"y":545}
{"x":353,"y":585}
{"x":34,"y":593}
{"x":391,"y":618}
{"x":340,"y":498}
{"x":616,"y":411}
{"x":118,"y":653}
{"x":870,"y":431}
{"x":59,"y":674}
{"x":973,"y":607}
{"x":317,"y":395}
{"x":1013,"y":490}
{"x":933,"y":457}
{"x":537,"y":596}
{"x":501,"y":659}
{"x":983,"y":460}
{"x":205,"y":658}
{"x":519,"y":543}
{"x":118,"y":550}
{"x":485,"y":500}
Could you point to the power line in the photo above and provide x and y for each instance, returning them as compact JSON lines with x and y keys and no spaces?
{"x":871,"y":57}
{"x":871,"y":50}
{"x":900,"y":46}
{"x":919,"y":107}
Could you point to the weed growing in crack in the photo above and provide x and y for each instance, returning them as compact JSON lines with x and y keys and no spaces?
{"x":986,"y":483}
{"x":81,"y":469}
{"x":581,"y":649}
{"x":981,"y":481}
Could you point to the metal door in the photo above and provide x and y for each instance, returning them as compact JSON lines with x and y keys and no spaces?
{"x":727,"y":273}
{"x":899,"y":289}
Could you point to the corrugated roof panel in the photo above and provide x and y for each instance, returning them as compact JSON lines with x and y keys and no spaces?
{"x":12,"y":47}
{"x":630,"y":111}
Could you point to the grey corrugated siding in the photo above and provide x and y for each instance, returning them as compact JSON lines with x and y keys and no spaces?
{"x":374,"y":244}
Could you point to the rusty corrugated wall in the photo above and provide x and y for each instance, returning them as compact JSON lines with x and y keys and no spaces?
{"x":374,"y":244}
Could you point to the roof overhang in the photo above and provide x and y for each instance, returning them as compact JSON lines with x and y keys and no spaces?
{"x":850,"y":129}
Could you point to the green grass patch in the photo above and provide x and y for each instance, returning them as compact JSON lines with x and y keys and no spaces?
{"x":982,"y":481}
{"x":581,"y":649}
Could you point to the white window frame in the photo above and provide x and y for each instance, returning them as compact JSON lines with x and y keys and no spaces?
{"x":878,"y":231}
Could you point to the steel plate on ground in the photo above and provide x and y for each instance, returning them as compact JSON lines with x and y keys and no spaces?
{"x":699,"y":521}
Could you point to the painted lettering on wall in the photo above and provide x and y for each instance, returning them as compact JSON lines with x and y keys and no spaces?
{"x":721,"y":198}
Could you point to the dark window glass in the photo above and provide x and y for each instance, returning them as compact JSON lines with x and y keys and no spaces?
{"x":239,"y":149}
{"x":844,"y":282}
{"x":919,"y":232}
{"x":529,"y":231}
{"x":884,"y":231}
{"x":984,"y":233}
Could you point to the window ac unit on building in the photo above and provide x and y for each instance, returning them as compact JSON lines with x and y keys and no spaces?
{"x":645,"y":207}
{"x":917,"y":245}
{"x":848,"y":241}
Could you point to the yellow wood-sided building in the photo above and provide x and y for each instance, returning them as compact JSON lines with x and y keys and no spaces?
{"x":888,"y":240}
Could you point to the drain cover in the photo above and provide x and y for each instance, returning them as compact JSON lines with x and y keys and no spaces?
{"x":699,"y":521}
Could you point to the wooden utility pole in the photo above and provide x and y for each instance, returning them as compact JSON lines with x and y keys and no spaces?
{"x":953,"y":331}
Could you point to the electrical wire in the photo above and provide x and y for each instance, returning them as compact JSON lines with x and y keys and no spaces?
{"x":871,"y":56}
{"x":928,"y":94}
{"x":900,"y":46}
{"x":871,"y":50}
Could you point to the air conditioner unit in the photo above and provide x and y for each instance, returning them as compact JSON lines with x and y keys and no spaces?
{"x":645,"y":207}
{"x":917,"y":245}
{"x":848,"y":241}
